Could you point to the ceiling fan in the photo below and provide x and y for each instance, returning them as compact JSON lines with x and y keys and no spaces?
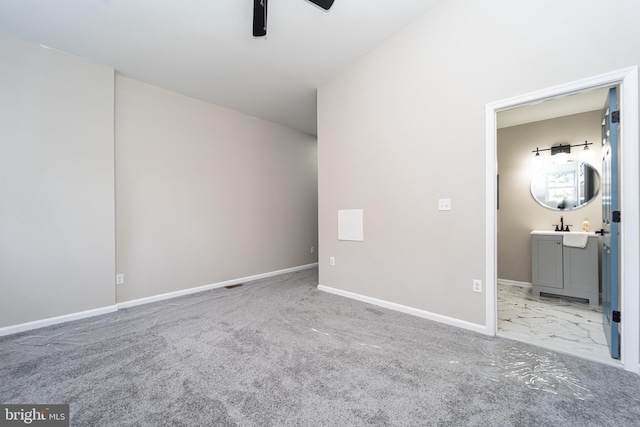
{"x":260,"y":14}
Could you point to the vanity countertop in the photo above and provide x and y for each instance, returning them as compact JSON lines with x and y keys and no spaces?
{"x":554,"y":233}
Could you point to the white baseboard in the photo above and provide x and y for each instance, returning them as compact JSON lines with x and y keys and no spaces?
{"x":14,"y":329}
{"x":169,"y":295}
{"x":405,"y":309}
{"x":514,"y":283}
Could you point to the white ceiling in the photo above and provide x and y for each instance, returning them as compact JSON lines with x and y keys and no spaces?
{"x":205,"y":48}
{"x":558,"y":107}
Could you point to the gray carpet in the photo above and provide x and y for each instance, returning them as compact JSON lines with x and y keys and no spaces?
{"x":278,"y":352}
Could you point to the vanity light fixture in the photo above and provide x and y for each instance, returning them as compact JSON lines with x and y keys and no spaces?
{"x":537,"y":159}
{"x":586,"y":154}
{"x":561,"y":152}
{"x":560,"y":158}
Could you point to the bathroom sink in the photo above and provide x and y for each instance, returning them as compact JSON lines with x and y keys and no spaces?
{"x":576,"y":239}
{"x":556,"y":233}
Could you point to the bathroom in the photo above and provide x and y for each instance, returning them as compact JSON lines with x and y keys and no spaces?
{"x":561,"y":323}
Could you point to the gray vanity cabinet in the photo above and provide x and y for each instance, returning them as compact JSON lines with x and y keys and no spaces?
{"x":547,"y":261}
{"x":564,"y":270}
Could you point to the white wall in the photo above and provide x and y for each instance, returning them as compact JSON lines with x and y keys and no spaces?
{"x":206,"y":194}
{"x":202,"y":194}
{"x":519,"y":213}
{"x":405,"y":125}
{"x":56,"y":184}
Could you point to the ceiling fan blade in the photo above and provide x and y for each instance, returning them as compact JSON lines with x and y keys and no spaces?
{"x":325,"y":4}
{"x":259,"y":18}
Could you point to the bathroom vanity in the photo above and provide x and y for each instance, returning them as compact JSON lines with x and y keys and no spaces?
{"x":565,"y":264}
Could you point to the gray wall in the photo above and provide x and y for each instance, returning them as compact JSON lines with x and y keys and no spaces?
{"x":206,"y":194}
{"x":405,"y":125}
{"x":519,"y":213}
{"x":56,"y":184}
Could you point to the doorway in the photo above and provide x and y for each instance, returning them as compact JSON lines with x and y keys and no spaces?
{"x":627,"y":79}
{"x":538,"y":192}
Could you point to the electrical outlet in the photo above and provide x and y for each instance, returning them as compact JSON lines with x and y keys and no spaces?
{"x":332,"y":260}
{"x":444,"y":204}
{"x":313,"y":250}
{"x":477,"y":285}
{"x":119,"y":279}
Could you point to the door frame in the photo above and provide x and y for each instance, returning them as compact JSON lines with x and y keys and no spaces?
{"x":627,"y":80}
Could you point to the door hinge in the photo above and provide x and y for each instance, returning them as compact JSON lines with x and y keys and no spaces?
{"x":615,"y":117}
{"x":615,"y":216}
{"x":615,"y":316}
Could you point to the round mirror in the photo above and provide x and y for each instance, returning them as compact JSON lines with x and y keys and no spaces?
{"x":565,"y":186}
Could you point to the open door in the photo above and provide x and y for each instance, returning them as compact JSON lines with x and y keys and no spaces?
{"x":610,"y":224}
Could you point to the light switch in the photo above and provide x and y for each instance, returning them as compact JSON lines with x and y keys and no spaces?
{"x":444,"y":204}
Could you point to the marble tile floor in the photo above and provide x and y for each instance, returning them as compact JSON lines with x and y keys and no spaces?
{"x":552,"y":322}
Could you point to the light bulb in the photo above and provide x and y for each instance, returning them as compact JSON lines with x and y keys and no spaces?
{"x":586,"y":155}
{"x":537,"y":160}
{"x":560,"y":158}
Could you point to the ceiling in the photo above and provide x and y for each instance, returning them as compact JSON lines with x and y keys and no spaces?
{"x":205,"y":48}
{"x":557,"y":107}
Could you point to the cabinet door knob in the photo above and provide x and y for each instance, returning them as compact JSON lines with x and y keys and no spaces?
{"x":558,"y":242}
